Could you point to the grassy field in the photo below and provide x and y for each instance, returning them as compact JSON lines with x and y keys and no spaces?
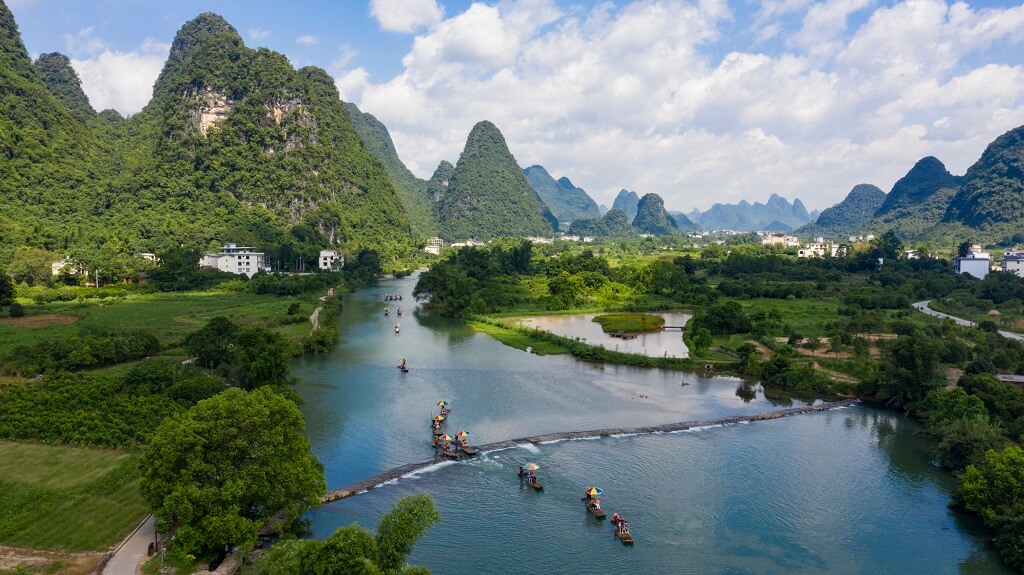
{"x":629,"y":322}
{"x":169,"y":316}
{"x":518,"y":340}
{"x":66,"y":498}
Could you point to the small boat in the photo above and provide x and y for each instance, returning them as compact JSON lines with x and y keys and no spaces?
{"x":596,"y":512}
{"x":399,"y":311}
{"x":467,"y":450}
{"x":536,"y":485}
{"x":450,"y":454}
{"x":438,"y":432}
{"x":403,"y":368}
{"x":624,"y":535}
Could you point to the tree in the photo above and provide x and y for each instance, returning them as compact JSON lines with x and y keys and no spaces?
{"x":909,"y":370}
{"x":211,"y":345}
{"x":702,"y":339}
{"x":353,"y":551}
{"x":812,"y":344}
{"x":860,"y":347}
{"x":221,"y":469}
{"x":994,"y":489}
{"x":6,"y":289}
{"x":32,"y":266}
{"x":178,"y":269}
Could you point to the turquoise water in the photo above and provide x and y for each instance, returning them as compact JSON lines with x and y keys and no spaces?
{"x":845,"y":491}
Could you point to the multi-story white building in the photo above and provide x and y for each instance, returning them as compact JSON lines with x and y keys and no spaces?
{"x":236,"y":260}
{"x":975,"y":264}
{"x":331,"y":260}
{"x":818,"y":250}
{"x":1014,"y":264}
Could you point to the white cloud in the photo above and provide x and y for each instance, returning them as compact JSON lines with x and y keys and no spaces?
{"x":405,"y":15}
{"x":257,"y":34}
{"x":639,"y":95}
{"x":345,"y":55}
{"x":307,"y":40}
{"x":112,"y":78}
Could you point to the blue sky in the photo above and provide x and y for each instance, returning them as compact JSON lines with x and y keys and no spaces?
{"x":697,"y":100}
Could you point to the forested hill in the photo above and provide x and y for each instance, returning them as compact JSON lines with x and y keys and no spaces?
{"x":628,"y":202}
{"x":487,"y":195}
{"x":235,"y":145}
{"x":52,"y":168}
{"x":63,"y":82}
{"x":849,"y":215}
{"x":651,"y":217}
{"x":991,"y":198}
{"x":566,"y":201}
{"x":927,"y":177}
{"x":412,"y":191}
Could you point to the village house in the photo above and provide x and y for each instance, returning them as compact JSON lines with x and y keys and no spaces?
{"x":331,"y":260}
{"x":240,"y":260}
{"x":1014,"y":264}
{"x":818,"y":250}
{"x":975,"y":264}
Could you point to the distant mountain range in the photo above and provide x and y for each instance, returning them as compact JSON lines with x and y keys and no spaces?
{"x":775,"y":215}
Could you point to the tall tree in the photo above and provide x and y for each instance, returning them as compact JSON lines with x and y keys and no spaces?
{"x":223,"y":468}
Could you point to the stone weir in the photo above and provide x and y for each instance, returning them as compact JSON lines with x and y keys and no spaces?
{"x":392,"y":474}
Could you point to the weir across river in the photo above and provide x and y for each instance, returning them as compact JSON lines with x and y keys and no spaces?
{"x":392,"y":474}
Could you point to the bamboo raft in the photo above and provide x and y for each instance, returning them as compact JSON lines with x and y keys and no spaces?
{"x":625,"y":536}
{"x":599,"y":513}
{"x":536,"y":485}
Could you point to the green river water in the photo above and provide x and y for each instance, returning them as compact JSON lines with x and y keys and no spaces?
{"x":850,"y":490}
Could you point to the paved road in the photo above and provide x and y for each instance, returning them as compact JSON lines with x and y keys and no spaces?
{"x":923,"y":306}
{"x":126,"y":560}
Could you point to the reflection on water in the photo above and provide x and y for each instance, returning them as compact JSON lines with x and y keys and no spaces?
{"x":850,"y":491}
{"x":668,"y":343}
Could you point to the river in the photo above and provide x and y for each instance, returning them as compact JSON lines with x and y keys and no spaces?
{"x":843,"y":491}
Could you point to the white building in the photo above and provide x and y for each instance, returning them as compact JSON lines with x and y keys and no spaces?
{"x":818,"y":250}
{"x":1014,"y":263}
{"x":787,"y":241}
{"x":331,"y":260}
{"x":976,"y":263}
{"x":149,"y":257}
{"x":236,"y":260}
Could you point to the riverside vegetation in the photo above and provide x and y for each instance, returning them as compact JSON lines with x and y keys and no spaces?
{"x":807,"y":326}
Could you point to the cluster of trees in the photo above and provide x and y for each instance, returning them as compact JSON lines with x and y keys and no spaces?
{"x":87,"y":349}
{"x":99,"y":410}
{"x":247,"y":356}
{"x":354,"y":550}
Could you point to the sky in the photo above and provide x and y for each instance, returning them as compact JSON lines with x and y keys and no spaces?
{"x":699,"y":101}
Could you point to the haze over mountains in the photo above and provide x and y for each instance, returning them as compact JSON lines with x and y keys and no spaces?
{"x":777,"y":214}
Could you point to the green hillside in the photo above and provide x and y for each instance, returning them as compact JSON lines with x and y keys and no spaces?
{"x":651,"y":217}
{"x":412,"y":191}
{"x":488,"y":196}
{"x":849,"y":215}
{"x":63,"y":82}
{"x":628,"y":202}
{"x":566,"y":201}
{"x":991,"y":198}
{"x":614,"y":223}
{"x":235,"y":145}
{"x":928,"y":176}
